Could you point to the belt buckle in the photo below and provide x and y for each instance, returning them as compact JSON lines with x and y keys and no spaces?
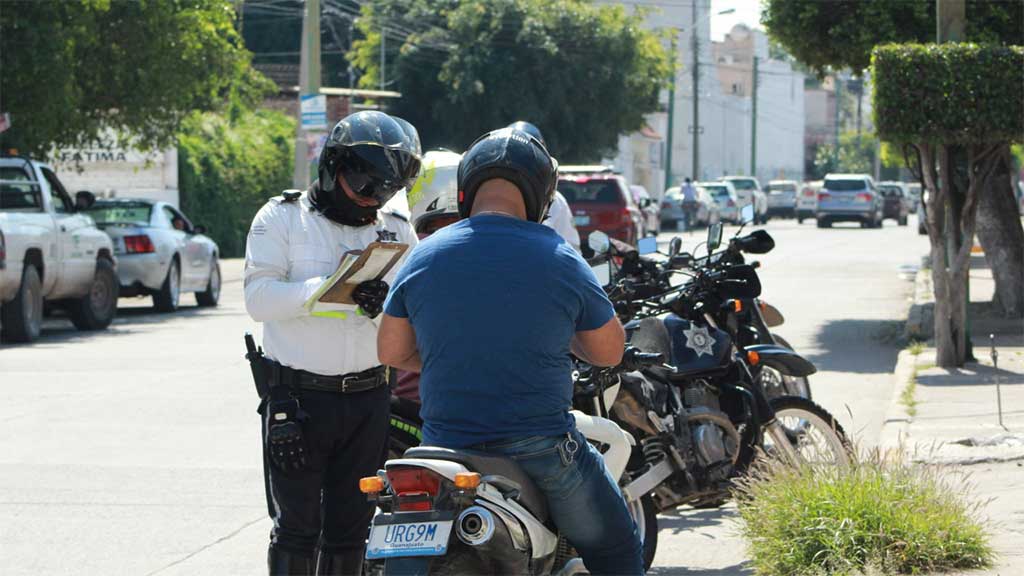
{"x":345,"y":381}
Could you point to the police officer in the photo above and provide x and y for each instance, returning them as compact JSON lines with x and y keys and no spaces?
{"x":325,"y":395}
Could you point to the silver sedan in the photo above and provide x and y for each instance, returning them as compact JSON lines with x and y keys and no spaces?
{"x":159,"y":252}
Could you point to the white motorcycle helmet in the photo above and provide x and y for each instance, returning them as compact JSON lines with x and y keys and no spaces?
{"x":433,"y":200}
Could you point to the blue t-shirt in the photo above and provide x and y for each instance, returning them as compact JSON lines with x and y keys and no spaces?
{"x":495,"y":302}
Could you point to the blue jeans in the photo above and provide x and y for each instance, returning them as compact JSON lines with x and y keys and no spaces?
{"x":584,"y":500}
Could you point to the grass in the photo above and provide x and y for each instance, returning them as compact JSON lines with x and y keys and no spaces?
{"x":916,"y":347}
{"x":907,"y":396}
{"x":880,"y":516}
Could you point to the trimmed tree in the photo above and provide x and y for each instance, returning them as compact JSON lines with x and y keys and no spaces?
{"x":584,"y":73}
{"x":940,"y":101}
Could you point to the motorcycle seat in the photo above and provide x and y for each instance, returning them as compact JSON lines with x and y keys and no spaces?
{"x":530,"y":496}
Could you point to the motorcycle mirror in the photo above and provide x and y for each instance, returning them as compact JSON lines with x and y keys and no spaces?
{"x":648,"y":245}
{"x":747,"y":213}
{"x":714,"y":236}
{"x":680,"y":261}
{"x":599,"y":242}
{"x":603,"y":273}
{"x":675,"y":246}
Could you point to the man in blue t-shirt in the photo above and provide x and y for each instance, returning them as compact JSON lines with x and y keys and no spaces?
{"x":488,"y":309}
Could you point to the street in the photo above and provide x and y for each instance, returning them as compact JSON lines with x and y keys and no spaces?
{"x":136,"y":450}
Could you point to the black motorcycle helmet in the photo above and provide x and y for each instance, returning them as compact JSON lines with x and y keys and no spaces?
{"x":377,"y":154}
{"x":515,"y":156}
{"x":532,"y":130}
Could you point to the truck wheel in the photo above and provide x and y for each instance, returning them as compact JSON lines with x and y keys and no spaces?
{"x":96,"y":310}
{"x":166,"y":300}
{"x":23,"y":316}
{"x":211,"y":295}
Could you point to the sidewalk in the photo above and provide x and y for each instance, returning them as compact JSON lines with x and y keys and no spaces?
{"x":951,"y":417}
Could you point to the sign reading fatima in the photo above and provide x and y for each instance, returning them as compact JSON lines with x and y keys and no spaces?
{"x":314,"y":111}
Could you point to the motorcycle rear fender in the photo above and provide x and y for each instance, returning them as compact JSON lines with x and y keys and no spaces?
{"x":783,"y":359}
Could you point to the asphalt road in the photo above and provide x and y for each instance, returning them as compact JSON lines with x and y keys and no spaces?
{"x":136,"y":450}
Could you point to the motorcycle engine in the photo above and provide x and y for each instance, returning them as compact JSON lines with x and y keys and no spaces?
{"x":715,"y":439}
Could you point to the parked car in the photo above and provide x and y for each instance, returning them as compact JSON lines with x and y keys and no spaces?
{"x":896,"y":201}
{"x":161,"y":253}
{"x":748,"y":189}
{"x":673,"y":208}
{"x":922,"y":215}
{"x":726,"y":201}
{"x":781,"y":198}
{"x":915,"y":195}
{"x":648,"y":208}
{"x":849,"y":198}
{"x":708,"y":212}
{"x":807,"y":202}
{"x":53,"y":255}
{"x":601,"y":200}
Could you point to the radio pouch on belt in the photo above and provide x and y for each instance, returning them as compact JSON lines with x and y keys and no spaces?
{"x":285,"y":441}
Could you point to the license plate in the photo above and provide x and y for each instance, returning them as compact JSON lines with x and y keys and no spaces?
{"x":409,"y":539}
{"x":582,"y":220}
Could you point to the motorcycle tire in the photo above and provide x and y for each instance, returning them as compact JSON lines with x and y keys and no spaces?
{"x":800,"y":416}
{"x":795,"y":385}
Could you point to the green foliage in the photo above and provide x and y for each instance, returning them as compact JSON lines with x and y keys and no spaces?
{"x":71,"y":69}
{"x":841,"y":33}
{"x":584,"y":73}
{"x":230,"y":166}
{"x":949,"y":93}
{"x":881,"y":514}
{"x":856,"y":155}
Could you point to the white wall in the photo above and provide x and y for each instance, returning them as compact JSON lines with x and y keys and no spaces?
{"x":119,"y":173}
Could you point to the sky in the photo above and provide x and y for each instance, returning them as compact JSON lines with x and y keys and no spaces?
{"x":747,"y":12}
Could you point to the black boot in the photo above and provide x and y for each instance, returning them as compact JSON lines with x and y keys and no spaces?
{"x":284,"y":563}
{"x":340,"y":563}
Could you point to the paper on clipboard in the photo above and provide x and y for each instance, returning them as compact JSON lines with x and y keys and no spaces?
{"x":356,"y":267}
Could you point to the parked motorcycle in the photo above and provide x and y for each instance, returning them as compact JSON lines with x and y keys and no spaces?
{"x":468,"y":512}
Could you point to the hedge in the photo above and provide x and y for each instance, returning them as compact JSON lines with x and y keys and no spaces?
{"x":948,"y":93}
{"x":229,"y":166}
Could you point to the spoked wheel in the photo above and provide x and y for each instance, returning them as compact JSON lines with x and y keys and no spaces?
{"x":646,"y":519}
{"x":812,"y":435}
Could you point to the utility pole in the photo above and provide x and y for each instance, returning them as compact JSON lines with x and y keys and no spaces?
{"x":383,"y":54}
{"x":696,"y":175}
{"x":671,"y":114}
{"x":835,"y":151}
{"x":309,"y":84}
{"x":753,"y":122}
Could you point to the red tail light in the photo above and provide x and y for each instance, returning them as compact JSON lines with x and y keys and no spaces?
{"x":626,"y":217}
{"x":140,"y":244}
{"x":823,"y":196}
{"x":864,"y":197}
{"x":809,"y":192}
{"x":415,"y":488}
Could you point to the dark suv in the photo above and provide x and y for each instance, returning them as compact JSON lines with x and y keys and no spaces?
{"x":601,"y":201}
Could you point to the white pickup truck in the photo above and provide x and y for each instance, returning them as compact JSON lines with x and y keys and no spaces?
{"x":49,"y":251}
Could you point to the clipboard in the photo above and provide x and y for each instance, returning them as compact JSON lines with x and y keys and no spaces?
{"x":373,"y":263}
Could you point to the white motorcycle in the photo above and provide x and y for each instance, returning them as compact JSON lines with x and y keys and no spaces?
{"x":467,"y":512}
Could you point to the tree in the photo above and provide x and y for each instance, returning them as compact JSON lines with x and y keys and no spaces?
{"x":584,"y":73}
{"x":966,"y":100}
{"x":856,"y":155}
{"x":841,"y":34}
{"x":71,"y":70}
{"x":229,"y":165}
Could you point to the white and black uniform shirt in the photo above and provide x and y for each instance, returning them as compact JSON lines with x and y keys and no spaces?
{"x":290,"y":250}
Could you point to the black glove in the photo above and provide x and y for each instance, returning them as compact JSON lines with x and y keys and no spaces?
{"x":285,"y":441}
{"x":370,"y":296}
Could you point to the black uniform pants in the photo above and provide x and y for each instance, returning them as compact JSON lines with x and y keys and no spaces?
{"x":346,"y":435}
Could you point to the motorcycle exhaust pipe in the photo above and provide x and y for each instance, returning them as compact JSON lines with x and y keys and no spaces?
{"x":475,"y":526}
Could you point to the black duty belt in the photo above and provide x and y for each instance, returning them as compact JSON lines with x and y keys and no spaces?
{"x":344,"y":384}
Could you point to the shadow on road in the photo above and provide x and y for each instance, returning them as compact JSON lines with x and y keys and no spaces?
{"x":57,"y":328}
{"x":858,"y":346}
{"x":971,"y":374}
{"x":691,"y":520}
{"x":736,"y":570}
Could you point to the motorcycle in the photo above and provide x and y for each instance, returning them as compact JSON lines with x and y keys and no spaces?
{"x":463,"y":511}
{"x":701,"y":419}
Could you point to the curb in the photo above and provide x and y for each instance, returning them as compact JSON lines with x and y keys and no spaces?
{"x":920,"y":319}
{"x":896,"y":426}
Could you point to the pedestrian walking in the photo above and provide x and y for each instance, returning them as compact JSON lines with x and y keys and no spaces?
{"x":324,"y":396}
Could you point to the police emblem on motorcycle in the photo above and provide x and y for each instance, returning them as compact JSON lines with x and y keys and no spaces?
{"x":698,"y":340}
{"x":386,"y":236}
